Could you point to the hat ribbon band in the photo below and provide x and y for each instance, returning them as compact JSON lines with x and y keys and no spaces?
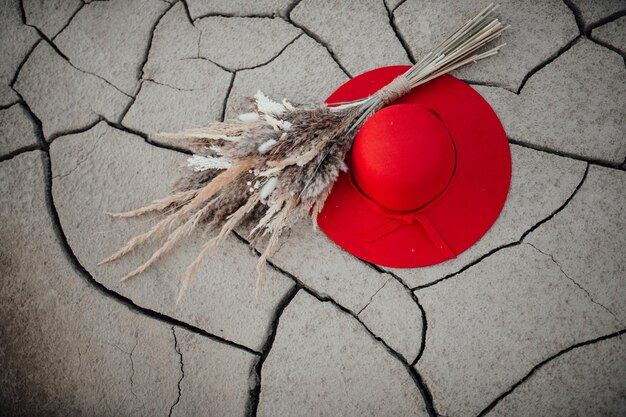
{"x":398,"y":220}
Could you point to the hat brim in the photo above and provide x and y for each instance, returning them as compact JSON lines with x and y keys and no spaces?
{"x":470,"y":204}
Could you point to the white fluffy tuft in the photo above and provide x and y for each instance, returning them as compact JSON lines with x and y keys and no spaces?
{"x":268,"y":188}
{"x":265,"y":105}
{"x":248,"y":117}
{"x":201,"y":163}
{"x":266,"y":146}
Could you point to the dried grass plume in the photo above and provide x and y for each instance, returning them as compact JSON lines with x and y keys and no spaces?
{"x":277,"y":163}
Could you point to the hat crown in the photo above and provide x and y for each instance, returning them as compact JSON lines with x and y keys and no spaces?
{"x":403,"y":157}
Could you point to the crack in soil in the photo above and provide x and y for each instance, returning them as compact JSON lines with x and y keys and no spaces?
{"x":62,"y":55}
{"x":573,"y":281}
{"x":25,"y":20}
{"x":400,"y":3}
{"x":511,"y":244}
{"x":415,"y":299}
{"x":246,"y":15}
{"x":546,"y":62}
{"x":68,"y":21}
{"x":8,"y":105}
{"x":549,"y":359}
{"x":17,"y":152}
{"x":256,"y":371}
{"x":416,"y":377}
{"x":608,"y":46}
{"x":146,"y":138}
{"x":317,"y":39}
{"x":528,"y":75}
{"x":374,"y":295}
{"x":78,"y":130}
{"x":21,"y":64}
{"x":584,"y":28}
{"x":289,"y":9}
{"x":563,"y":154}
{"x":235,"y":71}
{"x":287,"y":45}
{"x":577,"y":15}
{"x":182,"y":371}
{"x":396,"y":31}
{"x":147,"y":51}
{"x":71,"y":257}
{"x":82,"y":160}
{"x":227,"y":96}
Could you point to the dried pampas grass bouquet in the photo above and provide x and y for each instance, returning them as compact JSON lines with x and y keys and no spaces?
{"x":276,"y":164}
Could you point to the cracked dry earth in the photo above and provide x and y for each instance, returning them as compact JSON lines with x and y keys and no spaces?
{"x":530,"y":321}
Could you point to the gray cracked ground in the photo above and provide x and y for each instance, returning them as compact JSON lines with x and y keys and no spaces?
{"x":529,"y":321}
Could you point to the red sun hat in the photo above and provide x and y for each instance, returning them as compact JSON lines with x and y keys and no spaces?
{"x":428,"y":174}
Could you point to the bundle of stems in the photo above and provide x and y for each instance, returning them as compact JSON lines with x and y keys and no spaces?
{"x":276,"y":164}
{"x":455,"y":51}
